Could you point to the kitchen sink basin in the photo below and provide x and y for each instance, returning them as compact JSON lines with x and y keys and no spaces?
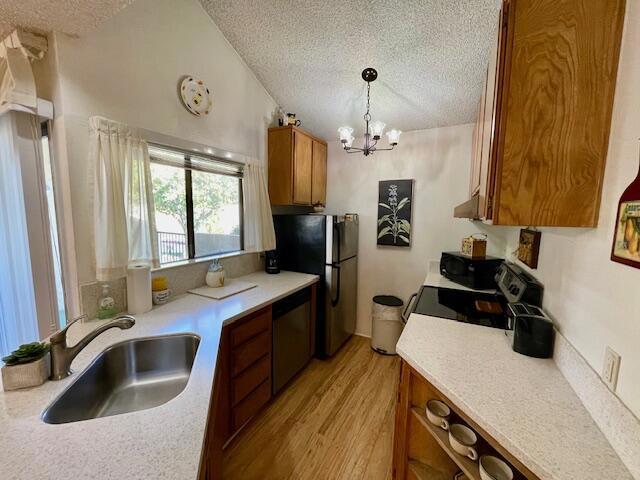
{"x":129,"y":376}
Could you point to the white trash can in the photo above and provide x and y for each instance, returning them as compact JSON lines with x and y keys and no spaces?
{"x":387,"y":325}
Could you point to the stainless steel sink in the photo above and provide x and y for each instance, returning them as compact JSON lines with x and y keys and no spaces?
{"x":129,"y":376}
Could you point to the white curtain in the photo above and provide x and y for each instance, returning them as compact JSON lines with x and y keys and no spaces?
{"x":259,"y":234}
{"x":18,"y":318}
{"x":124,"y":213}
{"x":17,"y":85}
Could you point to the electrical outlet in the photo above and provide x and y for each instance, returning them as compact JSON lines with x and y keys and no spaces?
{"x":611,"y":368}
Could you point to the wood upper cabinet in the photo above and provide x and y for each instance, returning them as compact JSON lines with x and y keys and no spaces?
{"x":297,"y":167}
{"x":302,"y":168}
{"x":542,"y":132}
{"x":319,"y":174}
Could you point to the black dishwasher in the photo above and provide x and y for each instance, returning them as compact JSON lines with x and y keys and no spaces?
{"x":291,"y":337}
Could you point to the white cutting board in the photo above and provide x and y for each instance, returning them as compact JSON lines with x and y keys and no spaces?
{"x":231,"y":287}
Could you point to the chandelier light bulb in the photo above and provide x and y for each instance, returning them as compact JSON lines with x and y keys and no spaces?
{"x":348,"y":143}
{"x":393,"y":136}
{"x":376,"y":128}
{"x":345,"y":134}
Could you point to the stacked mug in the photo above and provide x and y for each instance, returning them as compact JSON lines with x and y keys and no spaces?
{"x":463,"y":440}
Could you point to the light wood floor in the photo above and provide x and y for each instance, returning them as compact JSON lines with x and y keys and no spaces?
{"x":334,"y":422}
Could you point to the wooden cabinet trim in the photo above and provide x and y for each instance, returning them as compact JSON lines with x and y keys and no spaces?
{"x":499,"y":124}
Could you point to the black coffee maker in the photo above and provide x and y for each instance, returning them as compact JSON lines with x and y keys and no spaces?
{"x":271,"y":262}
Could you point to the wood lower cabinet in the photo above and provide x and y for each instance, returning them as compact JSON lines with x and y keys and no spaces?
{"x":242,"y":385}
{"x":542,"y":132}
{"x":422,"y":451}
{"x":297,"y":167}
{"x":243,"y":382}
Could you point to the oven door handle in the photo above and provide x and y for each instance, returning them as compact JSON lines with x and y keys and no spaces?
{"x":405,"y":317}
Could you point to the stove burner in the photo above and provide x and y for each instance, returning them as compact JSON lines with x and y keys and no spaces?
{"x":466,"y":306}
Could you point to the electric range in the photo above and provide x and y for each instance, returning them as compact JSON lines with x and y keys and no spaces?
{"x":481,"y":308}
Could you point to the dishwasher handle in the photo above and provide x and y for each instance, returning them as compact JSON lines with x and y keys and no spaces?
{"x":291,"y":302}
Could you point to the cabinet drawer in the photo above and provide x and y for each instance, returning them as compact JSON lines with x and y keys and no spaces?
{"x":249,"y":352}
{"x":251,"y":378}
{"x":251,"y":405}
{"x":250,"y":328}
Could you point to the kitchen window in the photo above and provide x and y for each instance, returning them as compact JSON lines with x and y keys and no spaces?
{"x":198,"y":203}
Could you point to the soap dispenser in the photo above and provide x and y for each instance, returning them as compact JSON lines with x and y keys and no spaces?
{"x":106,"y":304}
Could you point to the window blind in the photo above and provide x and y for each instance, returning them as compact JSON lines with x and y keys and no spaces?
{"x":188,"y":160}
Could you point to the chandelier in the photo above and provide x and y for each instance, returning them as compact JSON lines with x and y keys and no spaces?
{"x":373,"y":130}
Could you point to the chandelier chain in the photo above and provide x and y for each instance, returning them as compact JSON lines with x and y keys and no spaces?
{"x":367,"y":116}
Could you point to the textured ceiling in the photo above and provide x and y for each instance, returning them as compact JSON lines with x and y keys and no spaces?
{"x":431,"y":57}
{"x":73,"y":17}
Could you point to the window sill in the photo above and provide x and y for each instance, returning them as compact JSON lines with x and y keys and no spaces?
{"x":195,"y":261}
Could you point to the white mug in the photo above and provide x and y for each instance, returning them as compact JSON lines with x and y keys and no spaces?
{"x":438,"y":413}
{"x":492,"y":468}
{"x":462,"y":440}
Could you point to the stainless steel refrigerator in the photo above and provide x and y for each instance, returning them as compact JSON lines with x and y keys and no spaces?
{"x":325,"y":245}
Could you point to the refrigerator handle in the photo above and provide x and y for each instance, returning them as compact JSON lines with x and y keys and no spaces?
{"x":336,"y":227}
{"x":335,"y":301}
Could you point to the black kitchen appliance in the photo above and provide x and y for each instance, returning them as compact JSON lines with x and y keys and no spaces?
{"x":271,"y":262}
{"x":532,"y":331}
{"x":324,"y":245}
{"x":480,"y":308}
{"x":476,"y":273}
{"x":291,"y":337}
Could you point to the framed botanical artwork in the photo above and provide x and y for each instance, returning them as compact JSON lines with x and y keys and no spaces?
{"x":395,"y":199}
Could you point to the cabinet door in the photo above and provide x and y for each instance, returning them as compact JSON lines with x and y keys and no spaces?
{"x":302,"y":166}
{"x":280,"y":166}
{"x":319,"y":174}
{"x":476,"y":150}
{"x":488,"y":121}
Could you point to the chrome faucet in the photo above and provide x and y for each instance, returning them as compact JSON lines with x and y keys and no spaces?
{"x":62,"y":355}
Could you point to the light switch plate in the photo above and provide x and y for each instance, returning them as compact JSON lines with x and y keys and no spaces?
{"x":611,"y":368}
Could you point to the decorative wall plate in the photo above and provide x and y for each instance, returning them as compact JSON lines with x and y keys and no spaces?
{"x":195,"y":96}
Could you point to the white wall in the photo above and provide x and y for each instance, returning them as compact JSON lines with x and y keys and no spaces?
{"x":129,"y":69}
{"x":595,"y":301}
{"x":438,"y":161}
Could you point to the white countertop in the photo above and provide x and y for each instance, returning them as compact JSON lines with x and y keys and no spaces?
{"x":523,"y":403}
{"x":161,"y":442}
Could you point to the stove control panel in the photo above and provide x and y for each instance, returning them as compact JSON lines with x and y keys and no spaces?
{"x":517,"y":285}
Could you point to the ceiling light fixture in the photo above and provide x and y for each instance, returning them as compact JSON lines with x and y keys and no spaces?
{"x":373,"y":130}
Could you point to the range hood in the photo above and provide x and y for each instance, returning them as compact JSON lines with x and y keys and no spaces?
{"x":469,"y":209}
